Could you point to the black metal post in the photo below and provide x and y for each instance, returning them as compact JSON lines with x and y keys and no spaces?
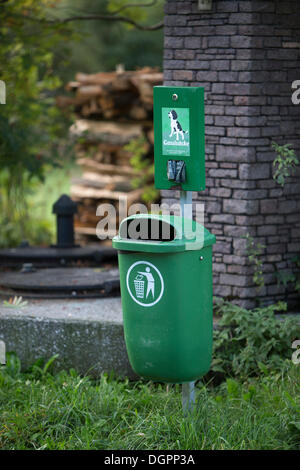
{"x":64,"y":208}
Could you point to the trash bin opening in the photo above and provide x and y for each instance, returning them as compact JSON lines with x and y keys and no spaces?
{"x":147,"y":230}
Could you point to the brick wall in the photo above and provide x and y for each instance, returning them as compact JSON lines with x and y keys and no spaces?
{"x":246,"y":55}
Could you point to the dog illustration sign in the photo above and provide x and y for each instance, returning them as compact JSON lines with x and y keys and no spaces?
{"x":145,"y":283}
{"x":179,"y":140}
{"x":175,"y":131}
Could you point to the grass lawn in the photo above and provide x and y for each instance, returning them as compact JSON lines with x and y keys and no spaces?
{"x":39,"y":410}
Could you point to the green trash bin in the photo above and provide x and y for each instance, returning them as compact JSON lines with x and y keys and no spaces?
{"x":165,"y":267}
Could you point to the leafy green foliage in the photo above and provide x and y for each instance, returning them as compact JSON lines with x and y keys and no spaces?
{"x":38,"y":54}
{"x":293,"y":276}
{"x":19,"y":225}
{"x":284,"y":163}
{"x":105,"y":44}
{"x":31,"y":127}
{"x":30,"y":121}
{"x":251,"y":342}
{"x":254,"y":251}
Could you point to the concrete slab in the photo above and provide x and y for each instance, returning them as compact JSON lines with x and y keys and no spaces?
{"x":87,"y":334}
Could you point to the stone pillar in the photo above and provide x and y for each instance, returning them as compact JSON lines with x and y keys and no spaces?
{"x":246,"y":55}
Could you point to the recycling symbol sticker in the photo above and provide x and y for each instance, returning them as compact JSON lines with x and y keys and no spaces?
{"x":145,"y":283}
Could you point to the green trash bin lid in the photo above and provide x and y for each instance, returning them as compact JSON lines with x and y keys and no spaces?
{"x":156,"y":233}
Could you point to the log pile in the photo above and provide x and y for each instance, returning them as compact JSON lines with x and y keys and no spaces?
{"x":113,"y":108}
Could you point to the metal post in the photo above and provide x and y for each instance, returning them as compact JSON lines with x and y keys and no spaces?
{"x":186,"y":204}
{"x":188,"y":396}
{"x":188,"y":388}
{"x":65,"y":208}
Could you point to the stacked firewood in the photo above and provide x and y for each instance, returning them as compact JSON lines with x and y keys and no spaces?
{"x":113,"y":109}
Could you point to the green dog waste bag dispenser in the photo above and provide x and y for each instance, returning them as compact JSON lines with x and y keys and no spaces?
{"x":165,"y":267}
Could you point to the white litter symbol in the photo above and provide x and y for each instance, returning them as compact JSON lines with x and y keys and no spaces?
{"x":139,"y":283}
{"x":145,"y":286}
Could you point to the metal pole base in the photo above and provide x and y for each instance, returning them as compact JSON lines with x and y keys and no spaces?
{"x":188,"y":397}
{"x":188,"y":388}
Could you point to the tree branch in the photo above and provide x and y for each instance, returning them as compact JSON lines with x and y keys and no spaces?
{"x":134,"y":5}
{"x":121,"y":19}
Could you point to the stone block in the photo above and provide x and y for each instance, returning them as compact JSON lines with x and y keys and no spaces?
{"x":240,"y":206}
{"x":183,"y":75}
{"x":223,"y":173}
{"x":233,"y":153}
{"x":254,"y":171}
{"x":208,"y":76}
{"x":218,"y":41}
{"x":235,"y":280}
{"x":88,"y":336}
{"x":192,"y":43}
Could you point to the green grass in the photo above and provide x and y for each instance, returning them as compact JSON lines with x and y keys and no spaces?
{"x":39,"y":410}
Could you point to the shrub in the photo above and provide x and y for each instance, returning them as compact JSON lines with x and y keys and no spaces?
{"x":285,"y":162}
{"x":251,"y":342}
